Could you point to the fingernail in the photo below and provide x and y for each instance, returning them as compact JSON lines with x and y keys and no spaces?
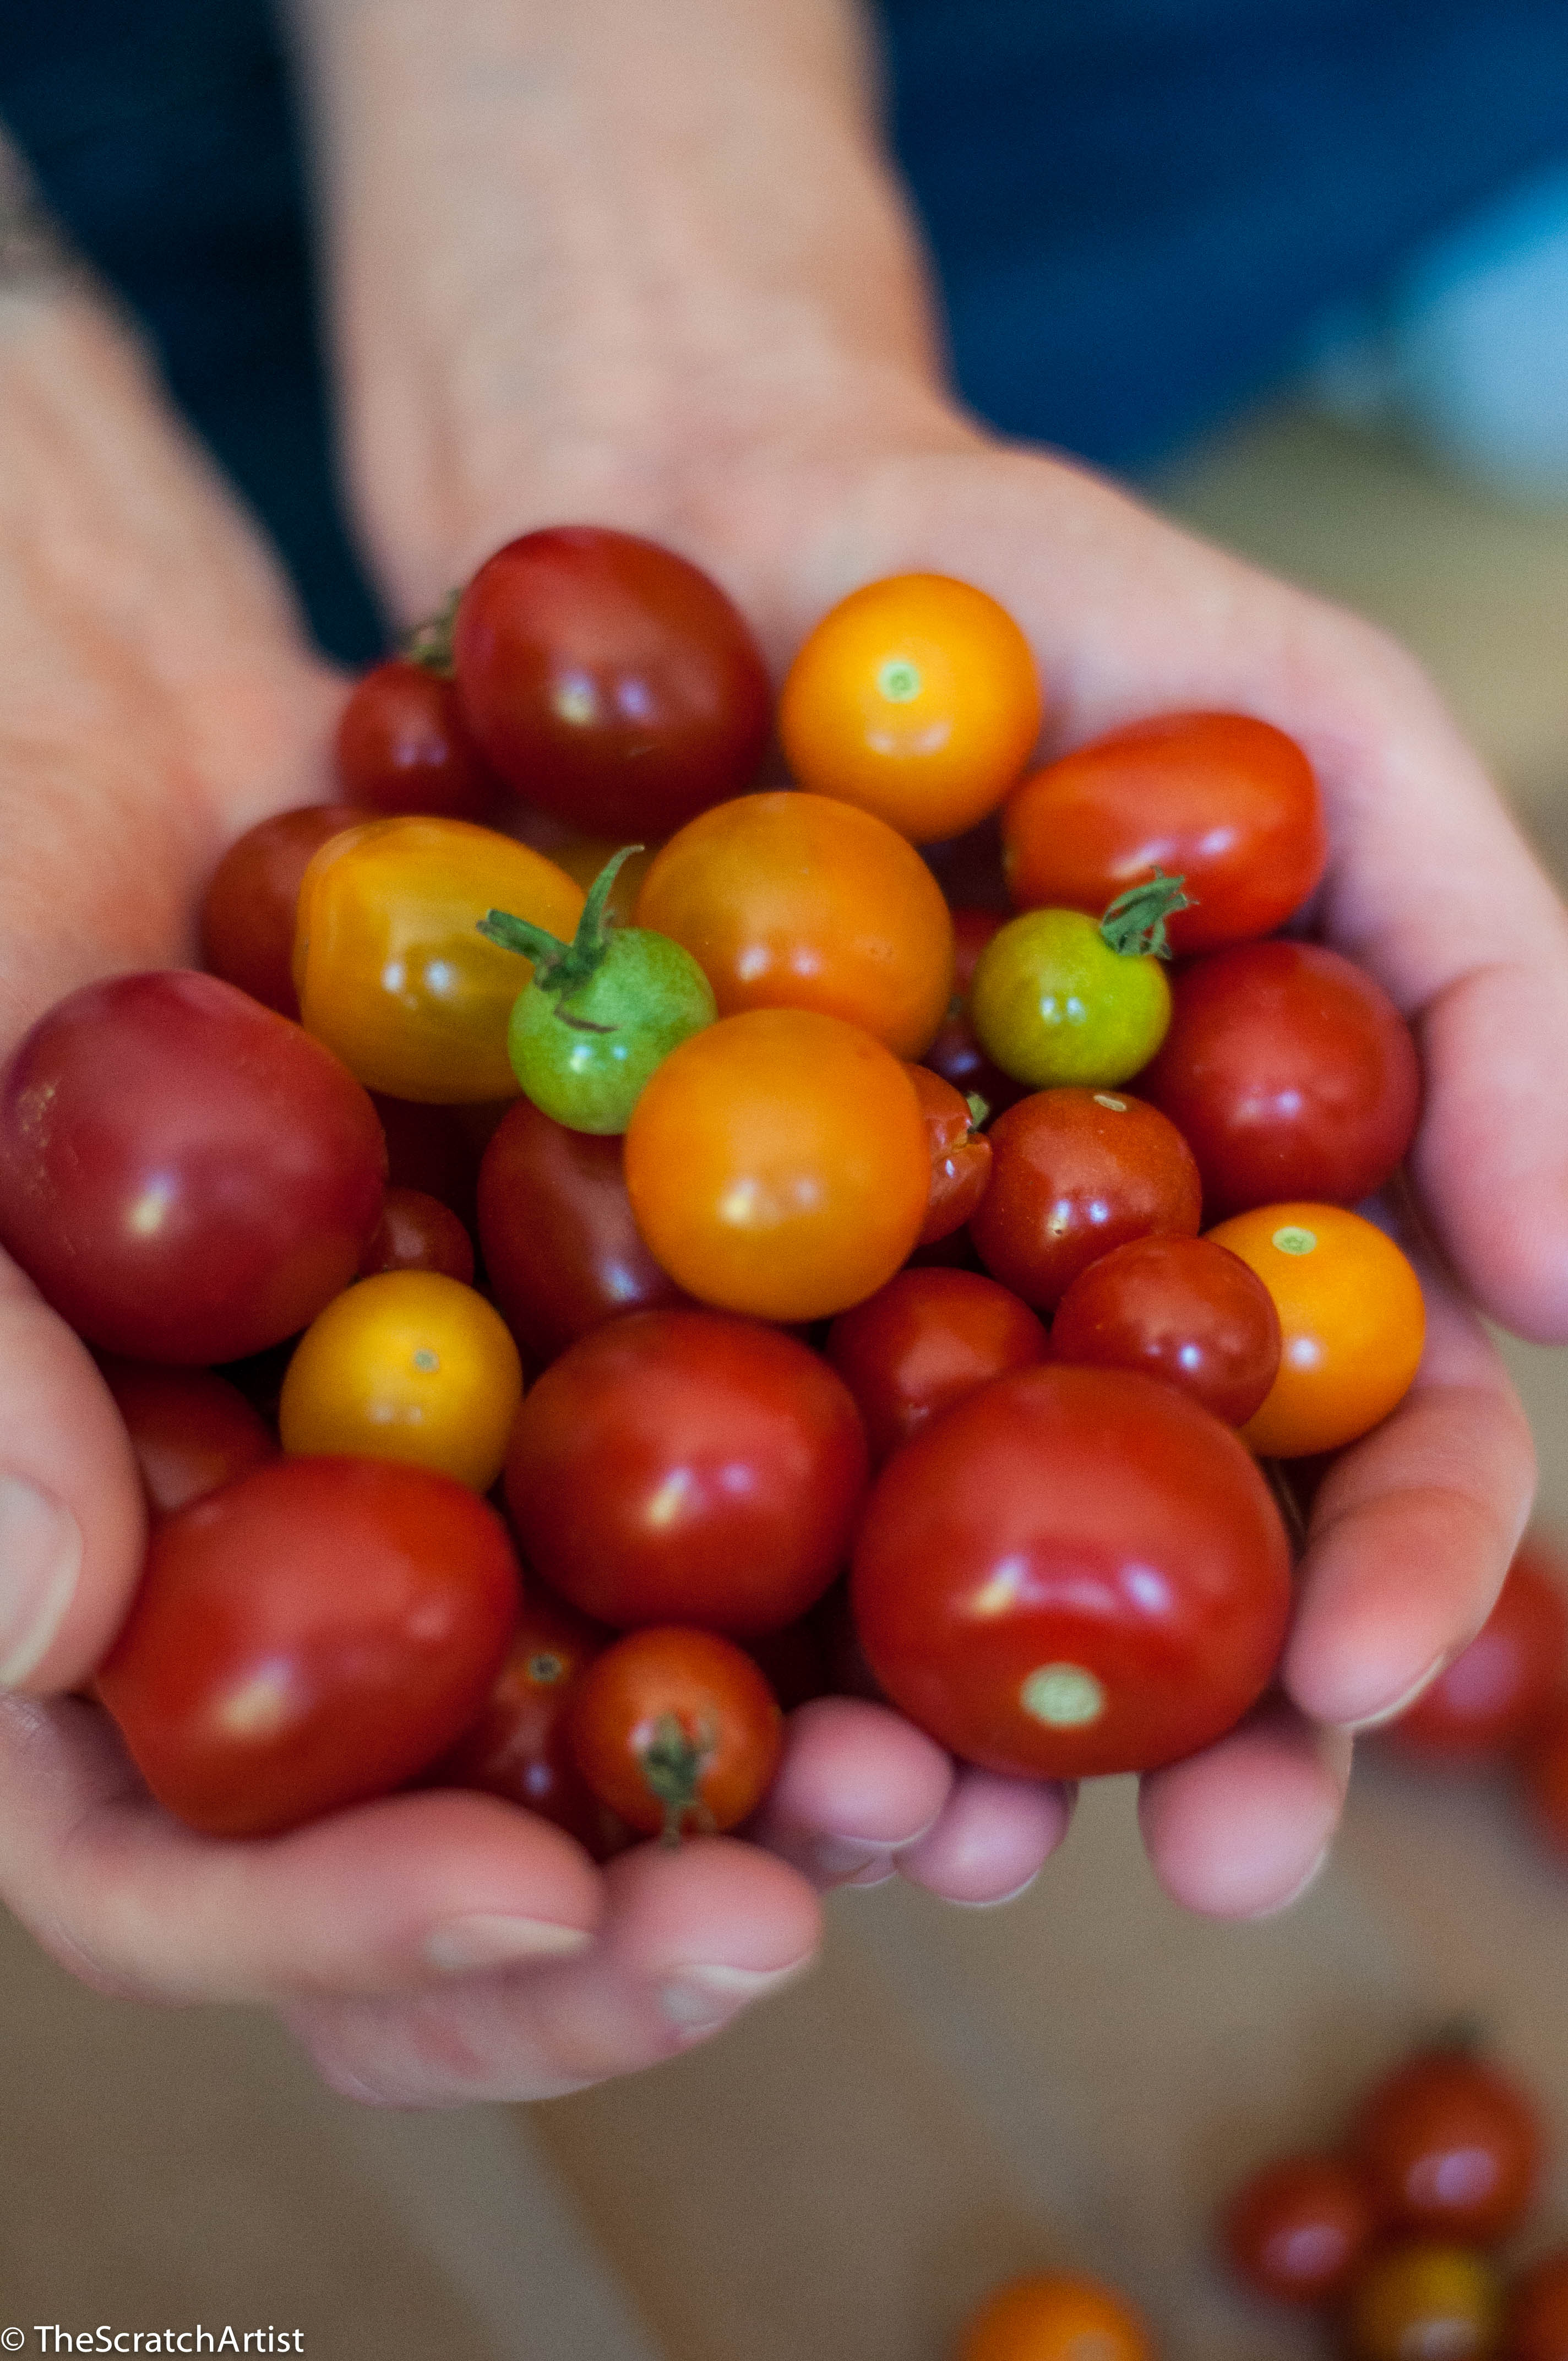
{"x":1273,"y":1909}
{"x":1401,"y":1704}
{"x":488,"y":1939}
{"x":696,"y":2000}
{"x":841,"y":1861}
{"x":40,"y":1557}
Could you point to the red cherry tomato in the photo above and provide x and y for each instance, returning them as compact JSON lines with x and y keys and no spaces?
{"x":1073,"y":1174}
{"x":309,"y":1637}
{"x":186,"y":1175}
{"x":1226,"y":802}
{"x":1180,"y":1309}
{"x":609,"y":681}
{"x":1544,"y":1769}
{"x":684,"y":1464}
{"x":926,"y":1339}
{"x":1535,"y":2325}
{"x":1290,"y":1073}
{"x":418,"y":1232}
{"x":519,"y":1749}
{"x":402,"y":746}
{"x":1074,"y":1571}
{"x":189,"y":1429}
{"x":561,"y":1248}
{"x":1296,"y":2229}
{"x":247,"y":912}
{"x":1498,"y":1689}
{"x":1449,"y":2146}
{"x":960,"y":1156}
{"x":677,"y":1732}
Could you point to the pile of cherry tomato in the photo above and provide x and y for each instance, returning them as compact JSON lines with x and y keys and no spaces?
{"x":582,"y":1151}
{"x":1392,"y":2234}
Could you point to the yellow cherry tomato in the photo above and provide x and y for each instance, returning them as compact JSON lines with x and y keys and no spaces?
{"x":917,"y":698}
{"x":1352,"y":1319}
{"x":391,"y":971}
{"x":1423,"y":2303}
{"x":409,"y":1364}
{"x":1054,"y":2316}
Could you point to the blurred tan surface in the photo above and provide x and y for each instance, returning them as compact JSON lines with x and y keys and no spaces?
{"x":954,"y":2095}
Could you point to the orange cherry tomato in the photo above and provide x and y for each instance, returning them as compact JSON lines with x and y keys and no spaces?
{"x":1056,"y":2316}
{"x":676,"y":1730}
{"x":777,"y":1164}
{"x":917,"y":698}
{"x":794,"y":901}
{"x":1352,"y":1321}
{"x":412,"y":1365}
{"x":1412,"y":2300}
{"x":392,"y":972}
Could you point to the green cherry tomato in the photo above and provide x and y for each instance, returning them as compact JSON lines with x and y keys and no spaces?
{"x":1060,"y":998}
{"x":600,"y":1012}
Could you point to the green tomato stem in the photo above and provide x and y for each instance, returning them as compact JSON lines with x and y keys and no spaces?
{"x":560,"y":969}
{"x":1134,"y":925}
{"x":673,"y":1765}
{"x":429,"y":644}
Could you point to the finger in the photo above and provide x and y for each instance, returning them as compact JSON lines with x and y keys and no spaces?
{"x":1411,"y":1531}
{"x":392,"y":1896}
{"x":690,"y":1939}
{"x":1240,"y":1830}
{"x":990,"y":1838}
{"x":72,"y":1522}
{"x":858,"y":1784}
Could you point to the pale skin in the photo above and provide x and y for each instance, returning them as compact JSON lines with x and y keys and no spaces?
{"x":650,"y":268}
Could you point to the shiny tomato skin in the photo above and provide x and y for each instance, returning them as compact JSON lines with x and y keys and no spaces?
{"x":402,"y":746}
{"x":248,"y":911}
{"x":685,"y":1466}
{"x":1226,"y":802}
{"x":1450,"y":2146}
{"x":1496,"y":1691}
{"x":1180,"y":1309}
{"x":1072,"y":1571}
{"x":720,"y":1706}
{"x":307,"y":1638}
{"x":925,"y":1340}
{"x":960,"y":1156}
{"x":562,"y":1250}
{"x":1073,"y":1174}
{"x":419,"y":1233}
{"x":1295,"y":2229}
{"x":1535,"y":2325}
{"x":1056,"y":2316}
{"x":1290,"y":1073}
{"x":185,"y":1175}
{"x":189,"y":1429}
{"x":609,"y":681}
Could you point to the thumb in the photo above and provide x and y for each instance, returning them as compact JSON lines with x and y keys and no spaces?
{"x":72,"y":1515}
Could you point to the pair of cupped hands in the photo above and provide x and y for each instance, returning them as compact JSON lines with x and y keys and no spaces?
{"x":161,"y":697}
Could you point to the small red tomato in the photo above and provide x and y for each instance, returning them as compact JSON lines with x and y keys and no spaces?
{"x":402,"y":746}
{"x":1544,"y":1770}
{"x":1449,"y":2146}
{"x":418,"y":1232}
{"x":677,"y":1732}
{"x":1291,"y":1075}
{"x":307,"y":1638}
{"x":189,"y":1429}
{"x":1535,"y":2327}
{"x":961,"y":1155}
{"x":519,"y":1749}
{"x":687,"y":1465}
{"x":561,"y":1248}
{"x":1074,"y":1173}
{"x":1499,"y":1688}
{"x":925,"y":1340}
{"x":1072,"y":1571}
{"x":609,"y":681}
{"x":1295,"y":2229}
{"x":1226,"y":802}
{"x":1180,"y":1309}
{"x":248,"y":911}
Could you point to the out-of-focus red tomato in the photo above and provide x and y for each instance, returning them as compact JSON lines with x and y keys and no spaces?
{"x":1544,"y":1769}
{"x":960,"y":1156}
{"x":248,"y":911}
{"x":676,"y":1730}
{"x":403,"y":747}
{"x":419,"y":1233}
{"x":189,"y":1429}
{"x":1226,"y":802}
{"x":1074,"y":1173}
{"x":1449,"y":2146}
{"x":1536,"y":2326}
{"x":685,"y":1466}
{"x":186,"y":1175}
{"x":1499,"y":1688}
{"x":1180,"y":1309}
{"x":609,"y":681}
{"x":1072,"y":1571}
{"x":1289,"y":1072}
{"x":1297,"y":2228}
{"x":925,"y":1340}
{"x":307,"y":1638}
